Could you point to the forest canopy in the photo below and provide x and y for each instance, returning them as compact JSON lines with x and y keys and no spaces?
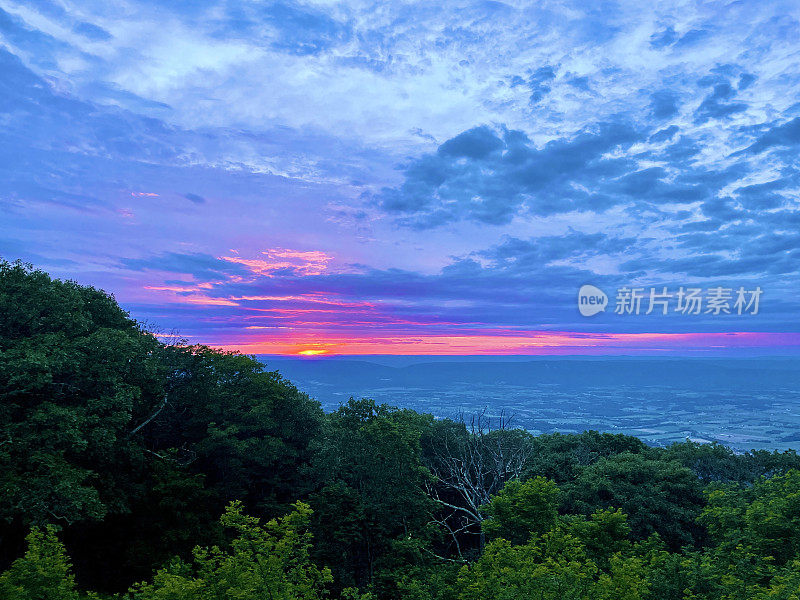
{"x":139,"y":469}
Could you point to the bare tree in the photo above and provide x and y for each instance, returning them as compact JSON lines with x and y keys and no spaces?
{"x":470,"y":465}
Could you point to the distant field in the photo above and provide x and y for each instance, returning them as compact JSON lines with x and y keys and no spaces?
{"x":743,"y":403}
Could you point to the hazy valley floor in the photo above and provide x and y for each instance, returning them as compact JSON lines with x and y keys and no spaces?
{"x":743,"y":403}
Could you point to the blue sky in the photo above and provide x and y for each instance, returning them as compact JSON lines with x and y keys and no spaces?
{"x":407,"y":177}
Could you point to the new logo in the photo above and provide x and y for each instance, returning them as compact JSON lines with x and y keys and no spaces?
{"x":591,"y":300}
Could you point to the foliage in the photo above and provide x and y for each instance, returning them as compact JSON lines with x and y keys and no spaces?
{"x":269,"y":561}
{"x":128,"y":442}
{"x":521,"y":509}
{"x":75,"y":376}
{"x":718,"y":463}
{"x":43,"y":573}
{"x":373,"y":493}
{"x":658,"y":496}
{"x":764,"y":519}
{"x":552,"y":566}
{"x":560,"y":457}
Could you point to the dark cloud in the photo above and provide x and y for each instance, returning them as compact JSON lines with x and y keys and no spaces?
{"x":682,"y":150}
{"x":92,"y":32}
{"x":39,"y":46}
{"x":762,"y":196}
{"x":721,"y":210}
{"x":579,"y":83}
{"x":539,"y":83}
{"x":202,"y":267}
{"x":669,"y":37}
{"x":746,"y":80}
{"x":664,"y":104}
{"x":665,"y":37}
{"x":291,"y":28}
{"x":692,"y":37}
{"x":195,"y":198}
{"x":517,"y":254}
{"x":665,"y":134}
{"x":784,"y":135}
{"x":477,"y":143}
{"x":489,"y":176}
{"x":718,"y":103}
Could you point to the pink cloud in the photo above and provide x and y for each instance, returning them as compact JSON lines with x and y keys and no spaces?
{"x":312,"y":262}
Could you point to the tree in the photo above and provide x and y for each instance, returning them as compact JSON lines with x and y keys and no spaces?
{"x":603,"y":533}
{"x":718,"y":463}
{"x":43,"y":573}
{"x":471,"y":463}
{"x":763,"y":519}
{"x":785,"y":585}
{"x":521,"y":509}
{"x":658,"y":496}
{"x":246,"y":429}
{"x":126,"y":441}
{"x":685,"y":575}
{"x":76,"y":373}
{"x":369,"y":460}
{"x":554,"y":566}
{"x":560,"y":457}
{"x":263,"y":561}
{"x":228,"y":430}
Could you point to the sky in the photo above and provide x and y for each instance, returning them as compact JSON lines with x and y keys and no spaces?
{"x":411,"y":177}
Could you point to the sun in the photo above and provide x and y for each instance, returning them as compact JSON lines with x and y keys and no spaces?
{"x":312,"y":352}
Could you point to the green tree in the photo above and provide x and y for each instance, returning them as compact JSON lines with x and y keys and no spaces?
{"x":128,"y":442}
{"x":521,"y":509}
{"x":718,"y":463}
{"x":369,"y":457}
{"x":685,"y":575}
{"x":263,"y":561}
{"x":764,"y":519}
{"x":43,"y":573}
{"x":603,"y":533}
{"x":76,"y":375}
{"x":560,"y":457}
{"x":246,"y":429}
{"x":658,"y":496}
{"x":554,"y":566}
{"x":785,"y":585}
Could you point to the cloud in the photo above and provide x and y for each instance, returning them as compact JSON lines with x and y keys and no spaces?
{"x":539,"y":83}
{"x":489,"y":176}
{"x":664,"y":37}
{"x":196,"y":199}
{"x":784,"y":135}
{"x":718,"y":103}
{"x":534,"y":254}
{"x":200,"y":267}
{"x":477,"y":143}
{"x":456,"y":168}
{"x":301,"y":30}
{"x":92,"y":32}
{"x":664,"y":104}
{"x":665,"y":134}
